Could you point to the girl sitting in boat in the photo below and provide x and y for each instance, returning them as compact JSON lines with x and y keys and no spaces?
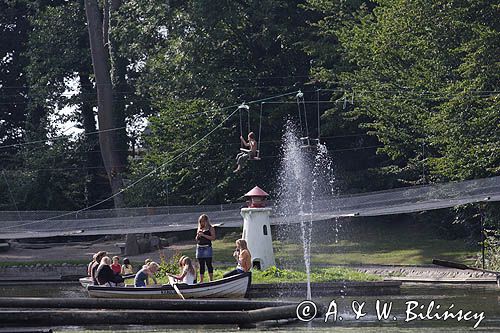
{"x":188,"y":272}
{"x":243,"y":257}
{"x":105,"y":275}
{"x":127,"y":267}
{"x":147,"y":271}
{"x":95,"y":264}
{"x":116,"y":267}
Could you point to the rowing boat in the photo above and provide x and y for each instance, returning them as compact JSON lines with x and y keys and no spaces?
{"x":231,"y":287}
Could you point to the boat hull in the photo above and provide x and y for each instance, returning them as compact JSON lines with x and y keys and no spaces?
{"x":231,"y":287}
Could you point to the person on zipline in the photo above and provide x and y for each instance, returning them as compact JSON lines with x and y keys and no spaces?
{"x":246,"y":154}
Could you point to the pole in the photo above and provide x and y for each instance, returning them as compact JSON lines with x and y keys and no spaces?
{"x":483,"y":238}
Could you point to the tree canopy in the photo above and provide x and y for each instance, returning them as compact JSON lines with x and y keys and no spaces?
{"x":408,"y":93}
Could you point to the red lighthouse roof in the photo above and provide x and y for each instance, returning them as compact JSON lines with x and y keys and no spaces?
{"x":256,"y":192}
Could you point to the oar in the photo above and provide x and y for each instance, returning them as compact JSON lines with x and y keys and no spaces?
{"x":177,"y":290}
{"x":128,"y":276}
{"x":452,"y":264}
{"x":173,"y":284}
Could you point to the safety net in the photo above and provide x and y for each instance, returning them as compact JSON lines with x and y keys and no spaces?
{"x":38,"y":224}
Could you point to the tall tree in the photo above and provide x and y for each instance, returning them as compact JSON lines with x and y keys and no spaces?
{"x":100,"y":62}
{"x":60,"y":73}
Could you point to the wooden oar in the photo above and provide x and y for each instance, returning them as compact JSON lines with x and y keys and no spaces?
{"x":173,"y":284}
{"x":128,"y":276}
{"x":177,"y":290}
{"x":452,"y":264}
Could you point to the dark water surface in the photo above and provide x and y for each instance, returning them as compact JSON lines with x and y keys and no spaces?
{"x":474,"y":298}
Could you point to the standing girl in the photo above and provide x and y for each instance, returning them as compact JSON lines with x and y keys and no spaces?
{"x":204,"y":237}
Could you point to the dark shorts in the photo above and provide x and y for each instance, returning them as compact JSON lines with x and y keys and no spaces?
{"x":203,"y":252}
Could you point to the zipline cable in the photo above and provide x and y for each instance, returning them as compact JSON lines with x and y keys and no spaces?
{"x":154,"y":169}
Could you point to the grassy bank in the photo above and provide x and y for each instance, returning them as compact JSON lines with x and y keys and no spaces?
{"x":274,"y":275}
{"x":362,"y":242}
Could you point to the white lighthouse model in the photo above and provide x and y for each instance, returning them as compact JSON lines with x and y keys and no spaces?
{"x":257,"y":229}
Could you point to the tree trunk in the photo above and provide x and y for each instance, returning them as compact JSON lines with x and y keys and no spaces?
{"x":118,"y":74}
{"x":97,"y":184}
{"x":100,"y":62}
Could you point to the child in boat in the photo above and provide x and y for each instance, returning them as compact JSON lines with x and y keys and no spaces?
{"x":89,"y":267}
{"x":147,"y":271}
{"x":115,"y":266}
{"x":246,"y":154}
{"x":127,"y":267}
{"x":243,"y":257}
{"x":93,"y":268}
{"x":188,"y":272}
{"x":147,"y":261}
{"x":105,"y":275}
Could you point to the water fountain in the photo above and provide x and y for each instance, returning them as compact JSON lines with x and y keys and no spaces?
{"x":305,"y":175}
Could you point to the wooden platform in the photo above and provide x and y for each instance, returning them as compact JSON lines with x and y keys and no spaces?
{"x":36,"y":312}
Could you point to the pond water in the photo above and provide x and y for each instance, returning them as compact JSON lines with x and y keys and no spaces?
{"x":474,"y":298}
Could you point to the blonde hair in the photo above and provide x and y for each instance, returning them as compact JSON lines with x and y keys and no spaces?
{"x":106,"y":261}
{"x":154,"y":265}
{"x":189,"y":263}
{"x":242,"y":244}
{"x":147,"y":261}
{"x":116,"y":258}
{"x":203,"y":217}
{"x":181,"y":260}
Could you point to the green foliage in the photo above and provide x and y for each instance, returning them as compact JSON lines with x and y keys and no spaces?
{"x":422,"y":75}
{"x":168,"y":265}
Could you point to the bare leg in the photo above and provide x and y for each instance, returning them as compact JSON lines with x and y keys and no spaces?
{"x":201,"y":277}
{"x":211,"y":276}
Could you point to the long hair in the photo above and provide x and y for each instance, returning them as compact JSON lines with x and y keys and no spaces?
{"x":242,"y":244}
{"x":203,"y":217}
{"x":189,"y":264}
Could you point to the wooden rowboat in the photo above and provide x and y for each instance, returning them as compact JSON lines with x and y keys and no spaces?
{"x":231,"y":287}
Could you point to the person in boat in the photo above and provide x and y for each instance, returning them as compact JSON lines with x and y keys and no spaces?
{"x":246,"y":154}
{"x":243,"y":257}
{"x":147,"y":261}
{"x":188,"y":272}
{"x":115,"y":266}
{"x":127,"y":267}
{"x":205,"y":234}
{"x":89,"y":266}
{"x":98,"y":257}
{"x":105,"y":274}
{"x":147,"y":271}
